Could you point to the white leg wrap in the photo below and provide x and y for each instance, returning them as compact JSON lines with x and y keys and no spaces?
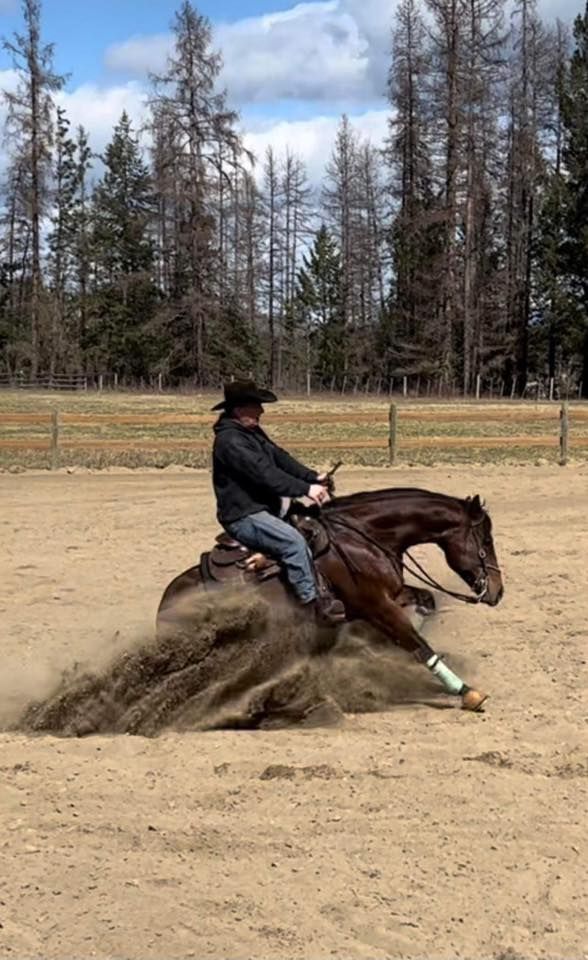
{"x":452,"y":683}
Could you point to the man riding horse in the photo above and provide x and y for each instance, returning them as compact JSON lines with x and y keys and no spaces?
{"x":360,"y":542}
{"x":253,"y":477}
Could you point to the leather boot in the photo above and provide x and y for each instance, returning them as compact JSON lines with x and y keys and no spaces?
{"x":328,"y":609}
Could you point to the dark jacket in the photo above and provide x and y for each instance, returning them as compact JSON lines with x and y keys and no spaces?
{"x":251,"y":473}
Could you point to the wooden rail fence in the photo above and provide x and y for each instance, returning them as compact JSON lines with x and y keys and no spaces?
{"x":54,"y":442}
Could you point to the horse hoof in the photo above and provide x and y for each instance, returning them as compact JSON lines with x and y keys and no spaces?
{"x":473,"y":700}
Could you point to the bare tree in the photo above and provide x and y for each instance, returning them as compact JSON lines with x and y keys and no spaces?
{"x":484,"y":76}
{"x":530,"y":66}
{"x":273,"y":201}
{"x":200,"y":126}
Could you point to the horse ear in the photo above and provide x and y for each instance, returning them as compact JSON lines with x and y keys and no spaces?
{"x":475,"y":505}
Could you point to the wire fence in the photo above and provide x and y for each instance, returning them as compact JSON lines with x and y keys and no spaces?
{"x":412,"y":386}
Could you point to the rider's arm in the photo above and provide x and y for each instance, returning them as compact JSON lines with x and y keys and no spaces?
{"x":245,"y":456}
{"x":292,"y":466}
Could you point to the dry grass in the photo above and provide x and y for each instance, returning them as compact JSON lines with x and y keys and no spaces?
{"x":98,"y":430}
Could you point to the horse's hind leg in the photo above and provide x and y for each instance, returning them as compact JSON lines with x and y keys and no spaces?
{"x":389,"y":617}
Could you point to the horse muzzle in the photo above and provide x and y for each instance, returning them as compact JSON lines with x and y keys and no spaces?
{"x":493,"y":591}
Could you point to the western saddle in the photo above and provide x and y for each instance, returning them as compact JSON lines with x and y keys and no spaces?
{"x":230,"y":560}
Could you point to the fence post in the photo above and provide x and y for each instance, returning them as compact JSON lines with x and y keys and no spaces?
{"x":478,"y":383}
{"x":54,"y":439}
{"x":563,"y":434}
{"x":404,"y":386}
{"x":551,"y":387}
{"x":393,"y":420}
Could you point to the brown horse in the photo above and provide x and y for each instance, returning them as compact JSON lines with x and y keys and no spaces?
{"x":360,"y":542}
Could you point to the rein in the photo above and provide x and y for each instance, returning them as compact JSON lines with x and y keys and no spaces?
{"x":430,"y":581}
{"x":423,"y":576}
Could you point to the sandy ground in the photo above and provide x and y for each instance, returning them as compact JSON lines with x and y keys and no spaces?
{"x":417,"y":832}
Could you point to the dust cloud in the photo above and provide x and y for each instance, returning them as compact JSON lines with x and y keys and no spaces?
{"x":218,"y":662}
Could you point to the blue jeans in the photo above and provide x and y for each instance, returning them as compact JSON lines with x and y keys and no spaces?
{"x":277,"y":539}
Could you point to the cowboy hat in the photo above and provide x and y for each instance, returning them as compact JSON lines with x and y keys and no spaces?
{"x":240,"y":392}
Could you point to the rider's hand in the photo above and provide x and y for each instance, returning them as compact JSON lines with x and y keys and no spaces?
{"x":327,"y":483}
{"x":318,"y":493}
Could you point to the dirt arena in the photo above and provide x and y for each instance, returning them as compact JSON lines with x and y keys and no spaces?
{"x":409,"y":833}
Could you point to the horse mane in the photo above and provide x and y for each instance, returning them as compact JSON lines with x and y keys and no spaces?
{"x":376,"y":496}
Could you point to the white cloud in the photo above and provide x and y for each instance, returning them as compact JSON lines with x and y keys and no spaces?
{"x":99,"y":109}
{"x":330,"y":50}
{"x":313,"y":139}
{"x":8,"y":80}
{"x":313,"y":51}
{"x":139,"y":54}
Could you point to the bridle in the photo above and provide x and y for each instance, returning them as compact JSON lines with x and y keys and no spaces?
{"x":480,"y":585}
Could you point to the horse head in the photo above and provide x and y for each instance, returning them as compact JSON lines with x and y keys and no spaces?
{"x":469,"y":550}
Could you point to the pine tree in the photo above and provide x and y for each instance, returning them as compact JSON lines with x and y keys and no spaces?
{"x":123,"y":254}
{"x":236,"y":351}
{"x":15,"y":326}
{"x":84,"y":157}
{"x":555,"y":339}
{"x":575,"y":118}
{"x":62,"y":240}
{"x":29,"y":132}
{"x":319,"y":309}
{"x":338,"y":207}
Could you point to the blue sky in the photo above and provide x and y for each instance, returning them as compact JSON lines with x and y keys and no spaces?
{"x":291,"y":68}
{"x":83,"y":29}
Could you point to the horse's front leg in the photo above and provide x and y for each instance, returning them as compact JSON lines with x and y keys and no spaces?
{"x":422,"y":600}
{"x":393,"y":621}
